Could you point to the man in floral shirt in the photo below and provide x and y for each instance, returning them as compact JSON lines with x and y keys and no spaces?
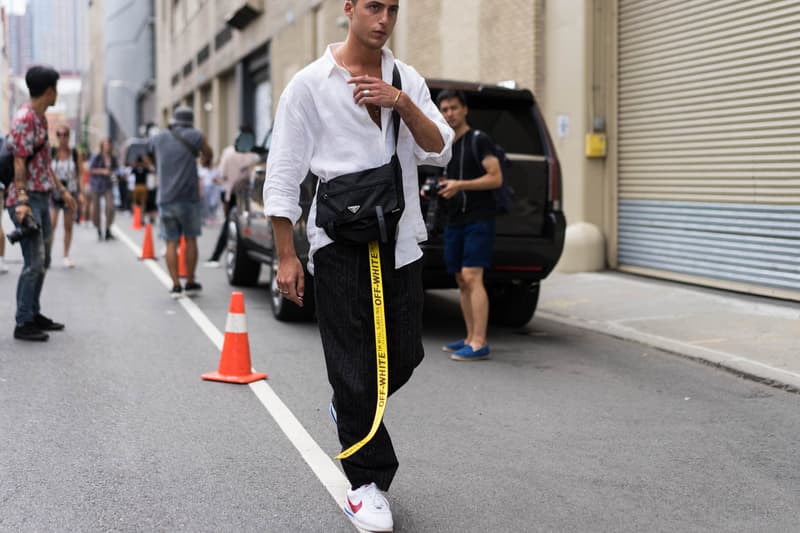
{"x":29,"y":196}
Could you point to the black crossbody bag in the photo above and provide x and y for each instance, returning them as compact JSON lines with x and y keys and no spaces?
{"x":364,"y":206}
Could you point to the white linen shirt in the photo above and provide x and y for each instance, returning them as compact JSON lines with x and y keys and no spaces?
{"x":319,"y":127}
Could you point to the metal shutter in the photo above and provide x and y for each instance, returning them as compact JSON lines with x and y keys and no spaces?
{"x":709,"y":142}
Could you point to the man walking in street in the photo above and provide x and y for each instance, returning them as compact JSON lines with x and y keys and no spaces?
{"x":470,"y":180}
{"x":28,"y":200}
{"x":336,"y":118}
{"x":179,"y":203}
{"x":233,"y":166}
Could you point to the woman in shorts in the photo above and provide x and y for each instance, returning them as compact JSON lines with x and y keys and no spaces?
{"x":66,"y":167}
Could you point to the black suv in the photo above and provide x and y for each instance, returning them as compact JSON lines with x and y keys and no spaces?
{"x":529,"y":238}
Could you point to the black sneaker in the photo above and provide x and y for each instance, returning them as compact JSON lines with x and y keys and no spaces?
{"x":99,"y":235}
{"x":45,"y":324}
{"x":29,"y":332}
{"x":192,"y":288}
{"x":109,"y":236}
{"x":176,"y":292}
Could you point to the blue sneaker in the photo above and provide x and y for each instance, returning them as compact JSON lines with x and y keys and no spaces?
{"x":468,"y":354}
{"x":454,"y":346}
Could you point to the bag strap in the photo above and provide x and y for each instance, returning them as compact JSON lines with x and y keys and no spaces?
{"x":474,"y":145}
{"x":37,"y":149}
{"x":397,"y":83}
{"x":192,"y":150}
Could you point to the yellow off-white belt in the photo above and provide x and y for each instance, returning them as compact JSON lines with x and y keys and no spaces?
{"x":381,"y":353}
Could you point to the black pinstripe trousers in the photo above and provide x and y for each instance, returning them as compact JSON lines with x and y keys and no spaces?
{"x":343,"y":295}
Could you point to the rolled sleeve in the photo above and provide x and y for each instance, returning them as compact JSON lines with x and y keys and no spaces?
{"x":437,"y":159}
{"x":289,"y":157}
{"x":422,"y":97}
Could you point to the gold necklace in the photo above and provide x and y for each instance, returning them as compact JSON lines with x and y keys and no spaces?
{"x":373,"y":110}
{"x":338,"y":57}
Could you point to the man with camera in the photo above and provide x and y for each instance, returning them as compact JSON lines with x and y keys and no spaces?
{"x":28,"y":201}
{"x":175,"y":151}
{"x":470,"y":180}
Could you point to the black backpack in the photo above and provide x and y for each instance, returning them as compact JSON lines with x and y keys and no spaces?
{"x":7,"y":160}
{"x":503,"y":197}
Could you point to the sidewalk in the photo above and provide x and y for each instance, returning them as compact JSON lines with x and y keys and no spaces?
{"x":758,"y":338}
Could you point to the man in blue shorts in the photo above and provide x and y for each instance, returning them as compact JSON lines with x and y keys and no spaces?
{"x":468,"y":186}
{"x":179,"y":203}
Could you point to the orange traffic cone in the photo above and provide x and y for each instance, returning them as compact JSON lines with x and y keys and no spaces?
{"x":182,"y":270}
{"x":234,"y":363}
{"x":137,"y":217}
{"x":147,"y":246}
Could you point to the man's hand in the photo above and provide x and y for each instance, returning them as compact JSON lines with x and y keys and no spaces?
{"x":69,"y":201}
{"x":375,"y":91}
{"x":449,"y":188}
{"x":21,"y":211}
{"x":291,"y":279}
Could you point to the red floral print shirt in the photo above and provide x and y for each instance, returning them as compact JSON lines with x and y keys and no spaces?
{"x":29,"y":130}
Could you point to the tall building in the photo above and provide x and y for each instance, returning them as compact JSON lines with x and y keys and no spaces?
{"x":5,"y":85}
{"x":128,"y":66}
{"x":20,"y":42}
{"x":59,"y":34}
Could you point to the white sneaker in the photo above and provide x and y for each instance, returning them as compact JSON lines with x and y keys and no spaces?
{"x":3,"y":267}
{"x":69,"y":263}
{"x":368,"y":508}
{"x":211,"y":264}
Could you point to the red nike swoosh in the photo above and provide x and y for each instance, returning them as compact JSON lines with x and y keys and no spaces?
{"x":354,"y":508}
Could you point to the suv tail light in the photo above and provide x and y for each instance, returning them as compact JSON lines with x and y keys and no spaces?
{"x":553,"y":165}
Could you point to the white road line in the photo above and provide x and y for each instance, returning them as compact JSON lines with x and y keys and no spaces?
{"x":320,"y":463}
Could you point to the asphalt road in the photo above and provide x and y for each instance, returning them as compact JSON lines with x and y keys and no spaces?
{"x":108,"y":427}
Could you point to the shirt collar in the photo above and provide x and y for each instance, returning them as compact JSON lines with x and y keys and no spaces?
{"x":387,"y":61}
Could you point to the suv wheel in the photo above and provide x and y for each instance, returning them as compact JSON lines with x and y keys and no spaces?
{"x":285,"y":310}
{"x":512,"y":304}
{"x":241,"y":270}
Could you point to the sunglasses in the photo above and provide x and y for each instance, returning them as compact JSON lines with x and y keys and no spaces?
{"x":62,"y":134}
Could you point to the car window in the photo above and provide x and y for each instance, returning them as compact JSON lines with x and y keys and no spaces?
{"x":512,"y":127}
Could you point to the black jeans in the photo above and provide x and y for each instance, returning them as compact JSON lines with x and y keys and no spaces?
{"x":343,"y":295}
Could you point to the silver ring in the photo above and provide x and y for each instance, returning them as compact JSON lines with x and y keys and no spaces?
{"x":366,"y":92}
{"x":284,"y":292}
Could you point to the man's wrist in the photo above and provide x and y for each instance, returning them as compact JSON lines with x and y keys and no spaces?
{"x":400,"y":101}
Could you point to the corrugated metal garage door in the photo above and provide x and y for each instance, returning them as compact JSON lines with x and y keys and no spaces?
{"x":709,"y":142}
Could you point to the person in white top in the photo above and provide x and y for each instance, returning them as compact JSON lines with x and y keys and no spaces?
{"x":335,"y":118}
{"x":67,"y":169}
{"x":233,"y":166}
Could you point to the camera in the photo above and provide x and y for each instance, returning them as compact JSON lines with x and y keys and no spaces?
{"x":430,"y":188}
{"x":28,"y":228}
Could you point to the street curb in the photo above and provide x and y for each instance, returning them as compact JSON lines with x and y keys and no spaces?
{"x":740,"y":366}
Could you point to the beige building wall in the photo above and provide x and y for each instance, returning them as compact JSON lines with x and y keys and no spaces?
{"x":93,"y":97}
{"x":291,"y":50}
{"x":471,"y":40}
{"x":578,"y":87}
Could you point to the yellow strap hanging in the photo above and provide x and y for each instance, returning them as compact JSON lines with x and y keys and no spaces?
{"x":381,"y":347}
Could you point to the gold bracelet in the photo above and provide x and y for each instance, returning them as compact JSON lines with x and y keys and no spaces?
{"x":396,"y":98}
